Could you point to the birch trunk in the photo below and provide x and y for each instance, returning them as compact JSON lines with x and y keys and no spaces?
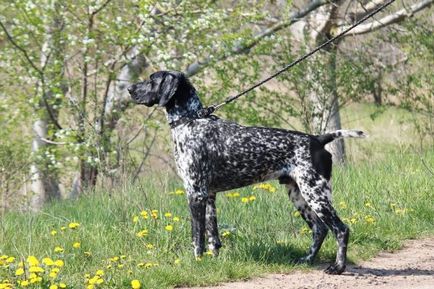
{"x":44,"y":184}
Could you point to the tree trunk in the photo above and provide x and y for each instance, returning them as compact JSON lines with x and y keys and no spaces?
{"x":44,"y":185}
{"x":321,"y":73}
{"x":44,"y":181}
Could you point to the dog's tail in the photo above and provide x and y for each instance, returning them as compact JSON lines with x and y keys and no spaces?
{"x":331,"y":136}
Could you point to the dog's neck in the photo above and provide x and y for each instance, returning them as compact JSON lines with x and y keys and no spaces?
{"x":186,"y":107}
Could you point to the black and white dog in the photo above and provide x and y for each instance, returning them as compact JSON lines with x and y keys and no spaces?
{"x":214,"y":155}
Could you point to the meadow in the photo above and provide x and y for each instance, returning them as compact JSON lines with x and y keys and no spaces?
{"x":138,"y":236}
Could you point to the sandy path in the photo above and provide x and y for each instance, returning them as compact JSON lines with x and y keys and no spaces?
{"x":411,"y":267}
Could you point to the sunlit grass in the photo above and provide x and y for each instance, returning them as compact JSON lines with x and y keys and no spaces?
{"x":139,"y":236}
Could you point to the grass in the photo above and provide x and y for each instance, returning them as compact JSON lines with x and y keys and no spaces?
{"x":384,"y":202}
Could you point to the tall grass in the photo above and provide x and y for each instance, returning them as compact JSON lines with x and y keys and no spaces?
{"x":384,"y":202}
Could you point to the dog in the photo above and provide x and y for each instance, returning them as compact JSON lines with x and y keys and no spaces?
{"x":214,"y":155}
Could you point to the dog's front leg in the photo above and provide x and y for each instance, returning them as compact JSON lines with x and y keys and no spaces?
{"x":197,"y":200}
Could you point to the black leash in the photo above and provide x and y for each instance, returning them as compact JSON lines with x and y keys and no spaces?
{"x":210,"y":109}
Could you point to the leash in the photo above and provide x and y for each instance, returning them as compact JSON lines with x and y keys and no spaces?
{"x":204,"y":112}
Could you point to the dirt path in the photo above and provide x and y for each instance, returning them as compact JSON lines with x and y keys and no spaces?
{"x":411,"y":267}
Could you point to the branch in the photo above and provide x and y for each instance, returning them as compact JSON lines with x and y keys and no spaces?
{"x":100,"y":8}
{"x":396,"y":17}
{"x":195,"y":67}
{"x":363,"y":9}
{"x":11,"y":40}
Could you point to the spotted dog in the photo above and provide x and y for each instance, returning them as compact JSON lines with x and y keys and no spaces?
{"x":214,"y":155}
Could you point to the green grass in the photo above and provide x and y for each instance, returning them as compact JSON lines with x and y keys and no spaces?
{"x":385,"y":202}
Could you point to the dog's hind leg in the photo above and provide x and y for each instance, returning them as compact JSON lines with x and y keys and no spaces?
{"x":319,"y":229}
{"x":316,"y":191}
{"x":197,"y":200}
{"x":212,"y":233}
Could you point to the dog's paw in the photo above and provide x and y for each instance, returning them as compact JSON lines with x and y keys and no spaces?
{"x":335,"y":269}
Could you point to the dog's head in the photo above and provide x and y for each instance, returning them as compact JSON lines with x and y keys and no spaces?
{"x":161,"y":88}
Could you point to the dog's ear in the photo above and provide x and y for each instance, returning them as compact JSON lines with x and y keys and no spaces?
{"x":168,"y":87}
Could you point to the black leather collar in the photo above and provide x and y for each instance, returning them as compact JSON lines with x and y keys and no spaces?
{"x":202,"y":113}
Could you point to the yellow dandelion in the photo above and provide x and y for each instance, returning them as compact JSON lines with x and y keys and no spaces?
{"x":63,"y":228}
{"x":58,"y":249}
{"x":19,"y":272}
{"x":76,"y":245}
{"x":179,"y":192}
{"x":142,"y":233}
{"x":168,"y":215}
{"x":87,"y":253}
{"x":73,"y":225}
{"x":47,"y":261}
{"x":135,"y":284}
{"x":10,"y":259}
{"x":144,"y":214}
{"x":55,"y":270}
{"x":135,"y":219}
{"x":54,"y":286}
{"x":369,"y":219}
{"x":209,"y":253}
{"x":150,"y":246}
{"x":24,"y":283}
{"x":90,"y":286}
{"x":226,"y":234}
{"x":52,"y":275}
{"x":296,"y":214}
{"x":37,"y":279}
{"x":177,"y":261}
{"x":33,"y":261}
{"x":176,"y":219}
{"x":244,"y":200}
{"x":114,"y":259}
{"x":169,"y":228}
{"x":252,"y":198}
{"x":369,"y":205}
{"x":99,"y":273}
{"x":59,"y":263}
{"x":36,"y":269}
{"x":342,"y":205}
{"x":122,"y":256}
{"x":62,"y":285}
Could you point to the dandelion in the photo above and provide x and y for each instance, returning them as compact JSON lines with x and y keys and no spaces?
{"x":19,"y":272}
{"x":144,"y":214}
{"x":87,"y":253}
{"x":36,"y":269}
{"x":252,"y":198}
{"x":24,"y":283}
{"x":342,"y":205}
{"x":179,"y":192}
{"x":62,"y":285}
{"x":63,"y":228}
{"x":135,"y":219}
{"x":369,"y":205}
{"x":150,"y":246}
{"x":244,"y":200}
{"x":176,"y":219}
{"x":177,"y":261}
{"x":142,"y":233}
{"x":265,"y":187}
{"x":99,"y":273}
{"x":54,"y":286}
{"x":10,"y":259}
{"x":169,"y":228}
{"x":76,"y":245}
{"x":59,"y":263}
{"x":226,"y":234}
{"x":209,"y":253}
{"x":296,"y":214}
{"x":47,"y":261}
{"x":232,"y":195}
{"x":305,"y":230}
{"x":73,"y":225}
{"x":135,"y":284}
{"x":33,"y":261}
{"x":168,"y":215}
{"x":369,"y":219}
{"x":154,"y":214}
{"x":58,"y":249}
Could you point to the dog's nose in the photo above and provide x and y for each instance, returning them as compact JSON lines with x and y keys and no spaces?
{"x":131,"y":88}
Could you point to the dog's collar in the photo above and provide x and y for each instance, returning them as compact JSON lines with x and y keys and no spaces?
{"x":201,"y":113}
